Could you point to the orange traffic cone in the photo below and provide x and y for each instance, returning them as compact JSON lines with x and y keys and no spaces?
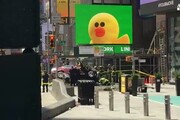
{"x":145,"y":80}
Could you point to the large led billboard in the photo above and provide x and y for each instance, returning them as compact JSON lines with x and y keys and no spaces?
{"x":103,"y":24}
{"x":151,"y":7}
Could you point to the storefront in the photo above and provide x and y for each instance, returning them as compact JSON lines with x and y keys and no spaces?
{"x":171,"y":10}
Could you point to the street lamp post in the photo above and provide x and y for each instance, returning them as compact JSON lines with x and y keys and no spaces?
{"x":139,"y":64}
{"x":56,"y":61}
{"x":55,"y":19}
{"x":55,"y":49}
{"x":47,"y":49}
{"x":133,"y":63}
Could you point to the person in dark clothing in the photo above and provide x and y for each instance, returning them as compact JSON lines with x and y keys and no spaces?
{"x":95,"y":74}
{"x":72,"y":76}
{"x":77,"y":75}
{"x":45,"y":81}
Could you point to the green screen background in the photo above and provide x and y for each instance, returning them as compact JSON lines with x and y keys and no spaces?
{"x":84,"y":13}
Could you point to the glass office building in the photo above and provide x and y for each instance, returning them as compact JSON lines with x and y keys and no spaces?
{"x":170,"y":9}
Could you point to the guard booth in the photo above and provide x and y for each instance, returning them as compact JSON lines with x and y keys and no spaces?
{"x":125,"y":83}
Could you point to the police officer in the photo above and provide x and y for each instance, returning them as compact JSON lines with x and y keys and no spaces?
{"x":45,"y":81}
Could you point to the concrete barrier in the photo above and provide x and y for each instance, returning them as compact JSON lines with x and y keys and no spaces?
{"x":59,"y":91}
{"x":70,"y":90}
{"x":57,"y":108}
{"x":65,"y":101}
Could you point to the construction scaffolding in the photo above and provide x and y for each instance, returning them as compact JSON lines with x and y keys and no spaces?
{"x":158,"y":46}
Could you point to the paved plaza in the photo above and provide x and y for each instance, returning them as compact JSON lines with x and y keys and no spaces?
{"x":89,"y":112}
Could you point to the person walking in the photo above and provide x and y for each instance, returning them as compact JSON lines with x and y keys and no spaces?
{"x":45,"y":81}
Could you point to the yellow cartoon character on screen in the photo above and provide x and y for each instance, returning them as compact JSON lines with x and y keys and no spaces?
{"x":104,"y":29}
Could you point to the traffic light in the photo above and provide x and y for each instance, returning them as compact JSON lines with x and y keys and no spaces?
{"x":51,"y":39}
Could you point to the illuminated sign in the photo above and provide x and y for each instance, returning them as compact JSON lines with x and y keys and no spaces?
{"x":117,"y":49}
{"x":103,"y":24}
{"x":72,"y":7}
{"x":62,"y":10}
{"x":159,"y":6}
{"x":105,"y":50}
{"x":165,"y":4}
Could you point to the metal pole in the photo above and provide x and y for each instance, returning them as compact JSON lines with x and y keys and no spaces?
{"x":133,"y":63}
{"x":119,"y":62}
{"x":101,"y":61}
{"x":96,"y":99}
{"x":97,"y":64}
{"x":167,"y":107}
{"x":56,"y":61}
{"x":146,"y":105}
{"x":111,"y":101}
{"x":115,"y":63}
{"x":56,"y":58}
{"x":127,"y":102}
{"x":48,"y":59}
{"x":56,"y":32}
{"x":55,"y":49}
{"x":139,"y":65}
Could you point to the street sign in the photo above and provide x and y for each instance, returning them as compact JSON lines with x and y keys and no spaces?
{"x":62,"y":42}
{"x":55,"y":19}
{"x":86,"y":50}
{"x":142,"y":60}
{"x":64,"y":21}
{"x":134,"y":58}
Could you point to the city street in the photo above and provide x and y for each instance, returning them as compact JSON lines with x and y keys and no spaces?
{"x":88,"y":112}
{"x":67,"y":47}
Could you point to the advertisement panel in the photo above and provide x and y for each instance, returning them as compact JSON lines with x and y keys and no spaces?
{"x":72,"y":10}
{"x":72,"y":7}
{"x":101,"y":50}
{"x":62,"y":10}
{"x":117,"y":49}
{"x":86,"y":50}
{"x":103,"y":24}
{"x":159,"y":6}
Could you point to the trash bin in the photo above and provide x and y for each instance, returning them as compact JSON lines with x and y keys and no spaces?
{"x":158,"y":84}
{"x":140,"y":82}
{"x":86,"y":92}
{"x":144,"y":89}
{"x":141,"y":86}
{"x":134,"y":85}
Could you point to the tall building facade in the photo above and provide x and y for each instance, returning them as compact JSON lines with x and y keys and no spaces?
{"x":143,"y":32}
{"x":167,"y":14}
